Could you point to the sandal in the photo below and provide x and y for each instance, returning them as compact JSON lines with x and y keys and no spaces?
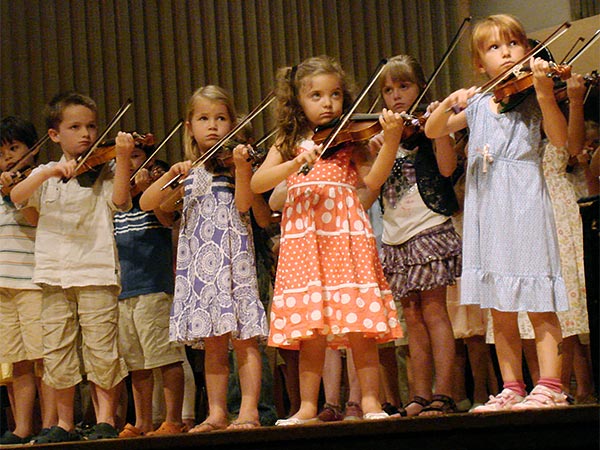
{"x":206,"y":427}
{"x":419,"y":401}
{"x":246,"y":425}
{"x":440,"y":404}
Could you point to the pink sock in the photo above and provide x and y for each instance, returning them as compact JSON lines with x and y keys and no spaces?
{"x":516,"y":386}
{"x":551,"y":383}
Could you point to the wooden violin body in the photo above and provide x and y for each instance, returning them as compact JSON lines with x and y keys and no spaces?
{"x":523,"y":83}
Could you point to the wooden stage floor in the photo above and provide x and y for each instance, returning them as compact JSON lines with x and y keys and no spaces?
{"x":574,"y":427}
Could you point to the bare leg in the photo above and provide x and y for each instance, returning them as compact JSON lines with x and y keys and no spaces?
{"x":354,"y":394}
{"x":142,"y":384}
{"x":332,"y":376}
{"x":173,"y":385}
{"x":548,"y":342}
{"x":24,"y":397}
{"x":420,"y":350}
{"x":582,"y":366}
{"x":292,"y":378}
{"x":388,"y":370}
{"x":479,"y":358}
{"x":107,"y":405}
{"x":531,"y":358}
{"x":508,"y":345}
{"x":366,"y":360}
{"x":312,"y":356}
{"x":250,"y":369}
{"x":216,"y":367}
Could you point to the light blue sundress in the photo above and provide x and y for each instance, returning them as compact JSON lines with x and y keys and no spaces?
{"x":510,"y":251}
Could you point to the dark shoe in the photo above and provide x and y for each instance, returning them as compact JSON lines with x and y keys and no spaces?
{"x":330,"y":413}
{"x":102,"y":430}
{"x":55,"y":434}
{"x":10,"y":438}
{"x":440,"y":404}
{"x":393,"y":411}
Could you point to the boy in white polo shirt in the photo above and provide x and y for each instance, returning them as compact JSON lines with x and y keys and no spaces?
{"x":76,"y":263}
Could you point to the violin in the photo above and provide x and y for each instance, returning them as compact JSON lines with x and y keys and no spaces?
{"x":17,"y":177}
{"x":523,"y":83}
{"x":105,"y":151}
{"x":22,"y":168}
{"x":332,"y":140}
{"x":256,"y":155}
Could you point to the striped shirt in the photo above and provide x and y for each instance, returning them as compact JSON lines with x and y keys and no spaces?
{"x":17,"y":242}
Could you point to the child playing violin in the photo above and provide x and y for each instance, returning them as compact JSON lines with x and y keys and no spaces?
{"x":76,"y":264}
{"x":421,"y":251}
{"x":145,"y":254}
{"x":329,"y":287}
{"x":216,"y":299}
{"x":510,"y":252}
{"x":20,"y":298}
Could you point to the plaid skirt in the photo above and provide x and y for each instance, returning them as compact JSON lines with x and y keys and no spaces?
{"x":431,"y":259}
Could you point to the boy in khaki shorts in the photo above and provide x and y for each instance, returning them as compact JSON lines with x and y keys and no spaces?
{"x":76,"y":263}
{"x":20,"y":299}
{"x":145,"y":252}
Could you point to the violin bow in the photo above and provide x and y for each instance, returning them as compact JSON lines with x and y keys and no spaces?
{"x":518,"y":66}
{"x":34,"y":150}
{"x":211,"y":151}
{"x":346,"y":117}
{"x":579,"y":39}
{"x":161,"y":145}
{"x":585,"y":47}
{"x":83,"y":158}
{"x":453,"y":44}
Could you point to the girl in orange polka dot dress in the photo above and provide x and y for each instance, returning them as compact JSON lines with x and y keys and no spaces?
{"x":329,"y":288}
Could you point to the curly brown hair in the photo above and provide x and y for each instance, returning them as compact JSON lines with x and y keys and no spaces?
{"x":291,"y":120}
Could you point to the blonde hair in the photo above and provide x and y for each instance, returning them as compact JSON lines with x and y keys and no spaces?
{"x":214,"y":94}
{"x":507,"y":26}
{"x":403,"y":68}
{"x":292,"y":123}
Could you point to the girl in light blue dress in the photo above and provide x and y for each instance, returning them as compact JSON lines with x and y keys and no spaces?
{"x":510,"y":254}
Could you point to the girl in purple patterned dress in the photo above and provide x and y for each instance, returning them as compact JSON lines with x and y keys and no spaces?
{"x":216,"y":299}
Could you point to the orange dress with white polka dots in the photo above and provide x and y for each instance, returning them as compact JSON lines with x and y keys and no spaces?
{"x":329,"y":278}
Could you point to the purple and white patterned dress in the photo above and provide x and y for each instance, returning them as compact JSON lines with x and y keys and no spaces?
{"x":216,"y":288}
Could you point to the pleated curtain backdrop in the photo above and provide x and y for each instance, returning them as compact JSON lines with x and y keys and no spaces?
{"x":157,"y":52}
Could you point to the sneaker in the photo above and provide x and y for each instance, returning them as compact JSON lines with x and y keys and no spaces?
{"x":102,"y":430}
{"x":353,"y":411}
{"x":504,"y":401}
{"x":55,"y":434}
{"x":167,"y":428}
{"x":10,"y":438}
{"x":542,"y":397}
{"x":330,"y":413}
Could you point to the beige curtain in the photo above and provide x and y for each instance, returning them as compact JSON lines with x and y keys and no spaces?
{"x":157,"y":52}
{"x":580,"y":9}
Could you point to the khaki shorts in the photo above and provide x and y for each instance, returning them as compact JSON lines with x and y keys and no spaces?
{"x":144,"y":332}
{"x":88,"y":313}
{"x":20,"y":326}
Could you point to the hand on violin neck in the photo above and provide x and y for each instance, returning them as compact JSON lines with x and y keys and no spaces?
{"x":124,"y":144}
{"x":392,"y":124}
{"x":241,"y":157}
{"x":307,"y":157}
{"x":540,"y":68}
